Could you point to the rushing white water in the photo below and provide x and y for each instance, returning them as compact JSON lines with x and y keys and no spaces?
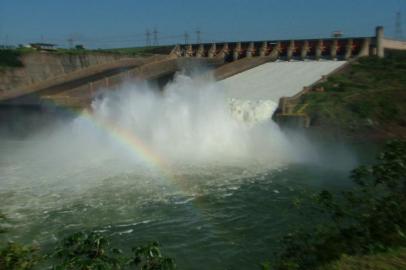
{"x":189,"y":123}
{"x":189,"y":144}
{"x":252,"y":111}
{"x":185,"y":165}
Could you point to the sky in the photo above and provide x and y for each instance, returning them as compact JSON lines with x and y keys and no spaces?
{"x":123,"y":23}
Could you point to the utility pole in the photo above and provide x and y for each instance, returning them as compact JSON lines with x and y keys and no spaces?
{"x":186,"y":37}
{"x":155,"y":33}
{"x":147,"y":38}
{"x":398,"y":25}
{"x":198,"y":36}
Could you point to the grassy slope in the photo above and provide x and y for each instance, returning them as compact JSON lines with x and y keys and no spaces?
{"x":367,"y":97}
{"x":140,"y":51}
{"x":392,"y":260}
{"x":134,"y":51}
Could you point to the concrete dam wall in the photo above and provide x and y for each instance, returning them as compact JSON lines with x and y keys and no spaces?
{"x":40,"y":66}
{"x":274,"y":80}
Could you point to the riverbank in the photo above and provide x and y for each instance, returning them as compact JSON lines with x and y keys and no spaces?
{"x":390,"y":260}
{"x":366,"y":99}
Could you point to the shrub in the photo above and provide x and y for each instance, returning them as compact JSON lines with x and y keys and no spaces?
{"x":93,"y":251}
{"x":10,"y":58}
{"x":19,"y":257}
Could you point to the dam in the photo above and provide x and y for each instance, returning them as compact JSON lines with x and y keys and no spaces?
{"x":76,"y":89}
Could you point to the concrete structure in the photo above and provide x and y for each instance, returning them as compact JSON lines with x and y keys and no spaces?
{"x":336,"y":48}
{"x":390,"y":44}
{"x":77,"y":88}
{"x":380,"y":49}
{"x":274,"y":80}
{"x":47,"y":66}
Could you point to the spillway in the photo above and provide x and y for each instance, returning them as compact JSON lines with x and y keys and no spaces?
{"x":254,"y":94}
{"x":274,"y":80}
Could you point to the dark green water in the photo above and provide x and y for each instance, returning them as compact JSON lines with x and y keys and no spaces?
{"x":208,"y":217}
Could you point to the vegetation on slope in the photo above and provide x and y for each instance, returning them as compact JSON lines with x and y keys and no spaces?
{"x":141,"y":51}
{"x":369,"y":219}
{"x":390,"y":260}
{"x":132,"y":51}
{"x":10,"y":58}
{"x":367,"y":96}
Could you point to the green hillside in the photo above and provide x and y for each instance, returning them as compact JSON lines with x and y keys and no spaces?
{"x":367,"y":97}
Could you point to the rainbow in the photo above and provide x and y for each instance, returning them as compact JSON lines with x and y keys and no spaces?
{"x":131,"y":141}
{"x":152,"y":159}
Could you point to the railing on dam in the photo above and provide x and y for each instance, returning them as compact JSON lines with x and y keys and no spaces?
{"x":279,"y":49}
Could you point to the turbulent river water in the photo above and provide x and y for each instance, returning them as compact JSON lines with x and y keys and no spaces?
{"x":177,"y":166}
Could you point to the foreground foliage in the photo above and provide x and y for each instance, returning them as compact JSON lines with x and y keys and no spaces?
{"x":84,"y":251}
{"x":369,"y":219}
{"x":391,"y":260}
{"x":92,"y":251}
{"x":18,"y":257}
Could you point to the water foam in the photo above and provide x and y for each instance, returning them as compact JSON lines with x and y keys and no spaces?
{"x":189,"y":125}
{"x":192,"y":120}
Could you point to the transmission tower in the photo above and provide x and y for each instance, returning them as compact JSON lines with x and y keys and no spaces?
{"x":186,"y":37}
{"x":198,"y":36}
{"x":147,"y":38}
{"x":398,"y":25}
{"x":155,"y":33}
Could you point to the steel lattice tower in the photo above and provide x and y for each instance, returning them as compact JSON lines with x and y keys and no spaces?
{"x":155,"y":35}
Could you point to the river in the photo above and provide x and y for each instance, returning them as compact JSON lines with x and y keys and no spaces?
{"x":173,"y":166}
